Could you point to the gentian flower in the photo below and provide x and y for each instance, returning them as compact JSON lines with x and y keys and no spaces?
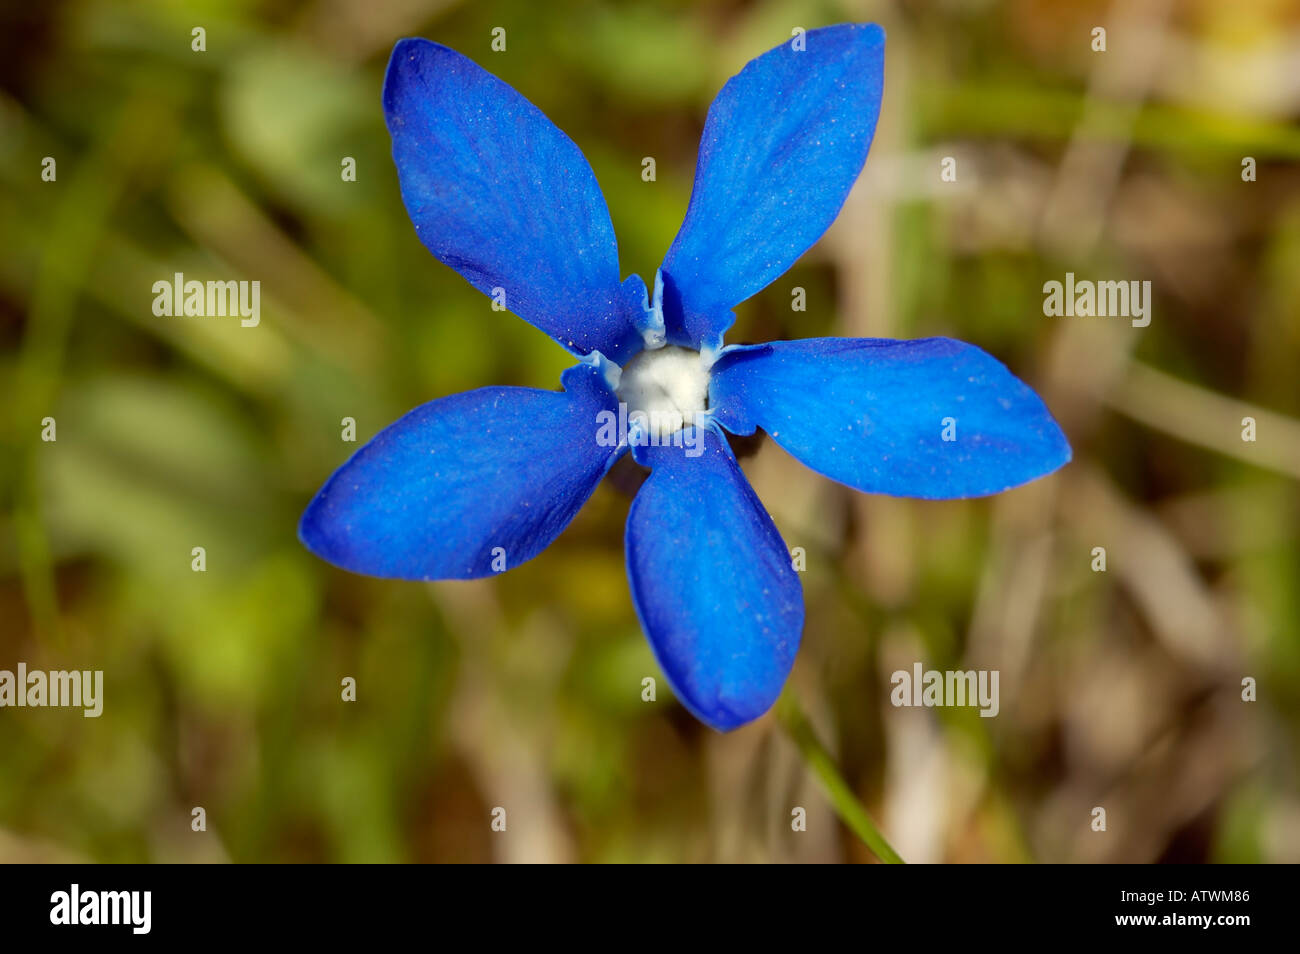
{"x":468,"y":485}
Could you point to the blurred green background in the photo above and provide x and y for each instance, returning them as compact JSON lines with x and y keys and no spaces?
{"x":1119,"y":689}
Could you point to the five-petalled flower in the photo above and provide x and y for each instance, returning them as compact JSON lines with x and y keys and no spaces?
{"x":501,"y":195}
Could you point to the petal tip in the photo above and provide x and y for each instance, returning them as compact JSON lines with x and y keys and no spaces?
{"x":312,"y":532}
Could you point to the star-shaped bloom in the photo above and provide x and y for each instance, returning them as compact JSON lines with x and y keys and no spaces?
{"x":468,"y":485}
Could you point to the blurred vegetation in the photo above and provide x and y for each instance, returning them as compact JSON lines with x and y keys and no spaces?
{"x":1119,"y":689}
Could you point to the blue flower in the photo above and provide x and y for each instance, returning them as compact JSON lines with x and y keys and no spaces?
{"x":467,"y":485}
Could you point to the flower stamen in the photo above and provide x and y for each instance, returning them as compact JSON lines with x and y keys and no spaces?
{"x":665,"y":389}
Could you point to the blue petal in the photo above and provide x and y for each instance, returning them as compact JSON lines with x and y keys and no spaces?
{"x":712,"y":583}
{"x":434,"y":495}
{"x":501,"y":195}
{"x":871,"y":413}
{"x":783,"y":143}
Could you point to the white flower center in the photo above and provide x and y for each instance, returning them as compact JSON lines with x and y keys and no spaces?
{"x":665,"y":389}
